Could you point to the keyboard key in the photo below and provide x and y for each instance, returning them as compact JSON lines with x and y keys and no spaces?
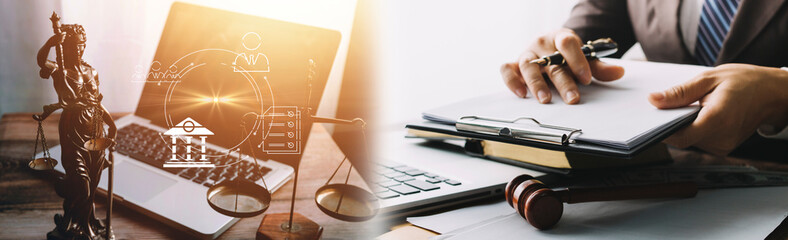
{"x":404,"y":189}
{"x":380,"y":179}
{"x":387,"y":195}
{"x":256,"y":177}
{"x":173,"y":170}
{"x":422,"y":185}
{"x":430,"y":180}
{"x":452,"y":182}
{"x":232,"y":177}
{"x":403,"y":168}
{"x":403,"y":178}
{"x":430,"y":175}
{"x":414,"y":172}
{"x":381,"y":170}
{"x":394,"y":175}
{"x":440,"y":178}
{"x":388,"y":171}
{"x":378,"y":189}
{"x":215,"y":171}
{"x":188,"y":174}
{"x":388,"y":183}
{"x":221,"y":180}
{"x":390,"y":164}
{"x":249,"y":175}
{"x":201,"y":179}
{"x":211,"y":176}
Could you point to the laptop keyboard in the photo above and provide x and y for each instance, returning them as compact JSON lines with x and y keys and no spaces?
{"x":395,"y":179}
{"x":146,"y":145}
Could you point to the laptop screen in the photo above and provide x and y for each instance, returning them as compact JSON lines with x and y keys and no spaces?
{"x":215,"y":66}
{"x":357,"y":95}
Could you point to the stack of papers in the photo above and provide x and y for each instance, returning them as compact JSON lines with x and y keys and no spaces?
{"x":613,"y":114}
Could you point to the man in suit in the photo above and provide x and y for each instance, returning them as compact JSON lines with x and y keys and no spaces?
{"x":745,"y":40}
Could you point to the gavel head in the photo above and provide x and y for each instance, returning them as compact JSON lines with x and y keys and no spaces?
{"x":539,"y":205}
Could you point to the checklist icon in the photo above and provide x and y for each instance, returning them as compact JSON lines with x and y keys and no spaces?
{"x":283,"y":133}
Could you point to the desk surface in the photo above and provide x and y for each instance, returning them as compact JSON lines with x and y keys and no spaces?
{"x":689,"y":158}
{"x":28,"y":201}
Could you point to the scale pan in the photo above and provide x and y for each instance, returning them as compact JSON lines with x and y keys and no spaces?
{"x":347,"y":202}
{"x":42,"y":164}
{"x":97,"y":144}
{"x":239,"y":198}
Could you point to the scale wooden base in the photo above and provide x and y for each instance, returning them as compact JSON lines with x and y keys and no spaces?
{"x":274,"y":227}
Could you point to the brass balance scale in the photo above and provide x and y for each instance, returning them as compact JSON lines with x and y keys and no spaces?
{"x":242,"y":198}
{"x":97,"y":143}
{"x":343,"y":201}
{"x":47,"y":162}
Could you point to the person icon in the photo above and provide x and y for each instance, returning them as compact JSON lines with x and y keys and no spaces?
{"x":172,"y":73}
{"x":251,"y":61}
{"x":154,"y":75}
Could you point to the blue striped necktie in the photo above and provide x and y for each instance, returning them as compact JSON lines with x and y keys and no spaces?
{"x":715,"y":21}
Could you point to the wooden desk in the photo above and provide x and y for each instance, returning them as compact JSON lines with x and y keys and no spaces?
{"x":28,"y":201}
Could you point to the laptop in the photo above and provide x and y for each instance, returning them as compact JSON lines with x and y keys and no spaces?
{"x":413,"y":176}
{"x":409,"y":176}
{"x":211,"y":68}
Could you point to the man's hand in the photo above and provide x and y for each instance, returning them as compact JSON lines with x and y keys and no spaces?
{"x":736,"y":99}
{"x":522,"y":74}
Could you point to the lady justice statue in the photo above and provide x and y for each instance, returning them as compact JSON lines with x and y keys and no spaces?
{"x":81,"y":129}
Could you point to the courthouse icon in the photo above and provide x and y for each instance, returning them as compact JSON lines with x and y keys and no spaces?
{"x":188,"y":129}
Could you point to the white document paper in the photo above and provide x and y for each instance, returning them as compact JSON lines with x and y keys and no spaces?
{"x":616,"y":114}
{"x":735,"y":213}
{"x":464,"y":218}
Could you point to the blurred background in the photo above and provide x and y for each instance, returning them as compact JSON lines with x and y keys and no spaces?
{"x":456,"y":48}
{"x":122,"y":35}
{"x":407,"y":48}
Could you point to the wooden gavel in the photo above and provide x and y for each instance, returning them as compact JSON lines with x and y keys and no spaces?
{"x":542,"y":207}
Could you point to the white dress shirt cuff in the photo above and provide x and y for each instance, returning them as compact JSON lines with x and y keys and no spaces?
{"x":769,"y":131}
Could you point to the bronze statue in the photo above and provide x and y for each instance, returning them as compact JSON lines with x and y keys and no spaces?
{"x":81,"y":127}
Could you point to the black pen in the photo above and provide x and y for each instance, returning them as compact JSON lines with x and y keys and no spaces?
{"x":598,"y":48}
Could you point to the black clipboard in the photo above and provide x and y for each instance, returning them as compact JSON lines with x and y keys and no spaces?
{"x":538,"y":135}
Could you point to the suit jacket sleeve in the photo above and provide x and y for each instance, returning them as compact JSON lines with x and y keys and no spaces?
{"x":594,"y":19}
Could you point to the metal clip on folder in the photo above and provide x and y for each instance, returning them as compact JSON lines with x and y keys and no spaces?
{"x":522,"y":128}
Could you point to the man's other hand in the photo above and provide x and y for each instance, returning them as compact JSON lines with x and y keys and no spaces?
{"x":736,"y":100}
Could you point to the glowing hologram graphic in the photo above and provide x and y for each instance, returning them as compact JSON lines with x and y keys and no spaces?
{"x":158,"y":75}
{"x":188,"y":129}
{"x":252,"y":61}
{"x":197,"y":59}
{"x":259,"y":97}
{"x":284,"y":134}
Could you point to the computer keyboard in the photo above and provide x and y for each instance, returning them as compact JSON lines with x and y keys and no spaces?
{"x":146,"y":145}
{"x":395,"y":179}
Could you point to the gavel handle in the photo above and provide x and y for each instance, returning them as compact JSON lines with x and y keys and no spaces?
{"x":663,"y":190}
